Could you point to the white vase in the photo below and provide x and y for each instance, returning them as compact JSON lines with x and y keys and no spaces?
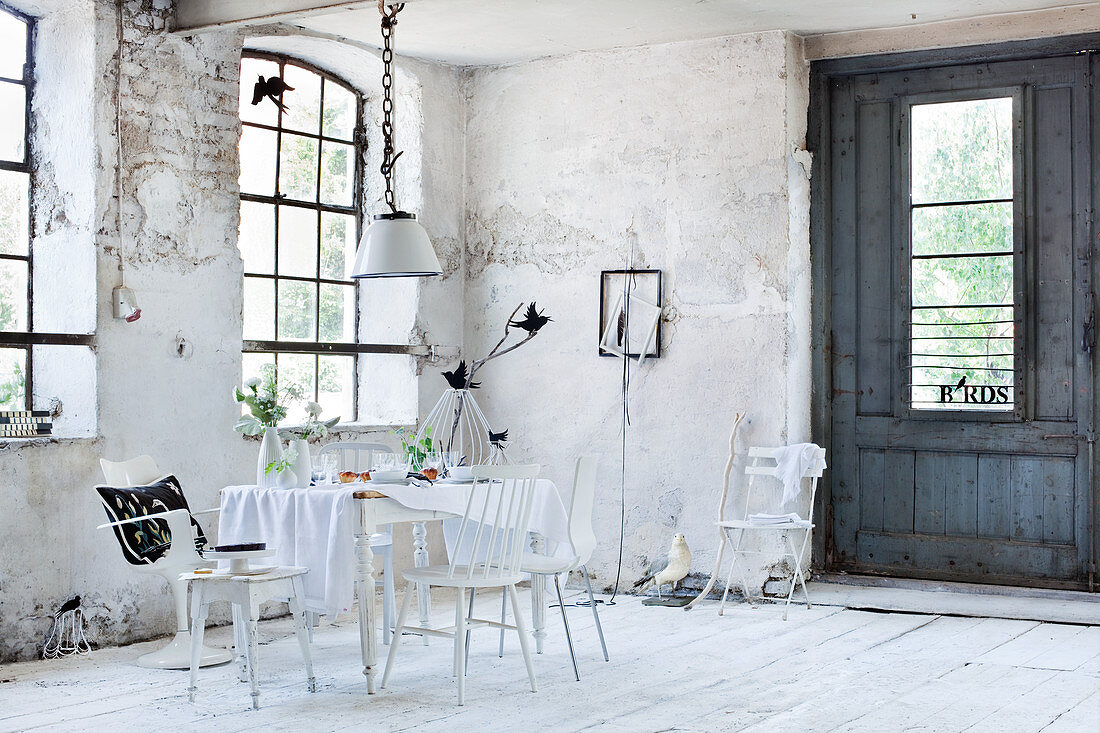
{"x":286,"y":479}
{"x":303,"y":466}
{"x":271,"y":449}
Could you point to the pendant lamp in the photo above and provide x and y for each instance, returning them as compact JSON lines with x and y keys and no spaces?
{"x":394,"y":245}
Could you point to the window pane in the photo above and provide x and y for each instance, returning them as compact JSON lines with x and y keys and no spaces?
{"x":13,"y":121}
{"x":13,"y":46}
{"x":297,"y":375}
{"x":297,"y":311}
{"x":340,"y":112}
{"x":297,"y":241}
{"x":963,"y":281}
{"x":337,"y":174}
{"x":13,"y":295}
{"x":253,"y":365}
{"x":962,"y":151}
{"x":953,"y":344}
{"x":960,"y":229}
{"x":257,"y":237}
{"x":338,"y":313}
{"x":304,"y":103}
{"x":14,"y":206}
{"x":259,"y":309}
{"x":334,"y":387}
{"x":298,"y":167}
{"x":13,"y":369}
{"x":263,"y":112}
{"x":337,"y":245}
{"x":257,"y":152}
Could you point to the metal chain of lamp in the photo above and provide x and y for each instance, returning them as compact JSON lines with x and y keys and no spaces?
{"x":394,"y":245}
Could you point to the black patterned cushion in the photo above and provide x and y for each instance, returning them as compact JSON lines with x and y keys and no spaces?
{"x":143,"y":543}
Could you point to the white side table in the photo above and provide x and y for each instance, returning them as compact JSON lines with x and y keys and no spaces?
{"x":246,"y":593}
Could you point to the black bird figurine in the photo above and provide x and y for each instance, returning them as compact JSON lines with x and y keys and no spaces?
{"x":457,"y":378}
{"x":272,"y":88}
{"x":533,"y":320}
{"x":70,"y":605}
{"x":498,"y":438}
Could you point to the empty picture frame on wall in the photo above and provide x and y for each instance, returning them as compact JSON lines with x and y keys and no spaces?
{"x":630,"y":314}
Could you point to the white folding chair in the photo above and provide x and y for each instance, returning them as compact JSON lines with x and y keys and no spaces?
{"x":792,"y":526}
{"x":360,"y":457}
{"x":498,"y":509}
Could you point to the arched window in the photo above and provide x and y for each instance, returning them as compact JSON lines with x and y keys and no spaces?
{"x":300,"y":220}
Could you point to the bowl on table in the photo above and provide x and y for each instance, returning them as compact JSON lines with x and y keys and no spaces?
{"x":388,"y":476}
{"x":460,"y":473}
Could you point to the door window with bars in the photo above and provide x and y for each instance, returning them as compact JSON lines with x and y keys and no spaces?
{"x":962,"y":264}
{"x":300,"y":205}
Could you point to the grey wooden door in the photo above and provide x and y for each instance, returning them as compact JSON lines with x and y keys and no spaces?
{"x":958,"y":306}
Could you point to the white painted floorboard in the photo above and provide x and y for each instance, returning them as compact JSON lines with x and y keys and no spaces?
{"x":826,"y":669}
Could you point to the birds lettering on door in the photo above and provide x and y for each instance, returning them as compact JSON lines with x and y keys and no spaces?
{"x":272,"y":88}
{"x":668,"y":570}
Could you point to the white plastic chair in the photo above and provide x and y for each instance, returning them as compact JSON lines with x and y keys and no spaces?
{"x":359,"y":457}
{"x":582,"y":537}
{"x":181,"y":557}
{"x":743,"y":525}
{"x":499,"y":509}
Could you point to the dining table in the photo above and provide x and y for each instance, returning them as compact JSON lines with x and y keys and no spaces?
{"x":328,"y":529}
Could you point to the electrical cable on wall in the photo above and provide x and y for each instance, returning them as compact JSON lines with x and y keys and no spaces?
{"x":123,"y":301}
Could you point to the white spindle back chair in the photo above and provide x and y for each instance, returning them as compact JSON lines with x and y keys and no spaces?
{"x":500,"y":503}
{"x":804,"y":524}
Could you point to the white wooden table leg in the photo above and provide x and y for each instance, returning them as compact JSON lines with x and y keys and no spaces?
{"x":198,"y":627}
{"x":364,"y":588}
{"x":253,"y":649}
{"x":420,"y":560}
{"x":538,"y":595}
{"x":240,"y":642}
{"x":301,"y":627}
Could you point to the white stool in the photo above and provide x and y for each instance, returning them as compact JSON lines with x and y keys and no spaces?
{"x":246,"y":592}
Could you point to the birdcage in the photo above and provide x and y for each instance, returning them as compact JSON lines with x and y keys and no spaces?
{"x":457,"y":425}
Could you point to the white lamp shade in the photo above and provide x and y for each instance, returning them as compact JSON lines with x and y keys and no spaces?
{"x":395,"y":245}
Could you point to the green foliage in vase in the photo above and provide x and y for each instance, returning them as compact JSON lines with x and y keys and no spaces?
{"x":415,"y":451}
{"x":284,"y":463}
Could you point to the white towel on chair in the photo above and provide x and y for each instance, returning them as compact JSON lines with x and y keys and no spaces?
{"x":792,"y":461}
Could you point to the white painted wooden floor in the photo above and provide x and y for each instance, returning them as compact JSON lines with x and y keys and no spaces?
{"x":826,"y":669}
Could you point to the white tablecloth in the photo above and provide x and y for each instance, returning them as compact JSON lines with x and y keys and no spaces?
{"x":315,"y":527}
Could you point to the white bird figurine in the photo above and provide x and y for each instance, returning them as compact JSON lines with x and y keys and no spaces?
{"x":668,"y":570}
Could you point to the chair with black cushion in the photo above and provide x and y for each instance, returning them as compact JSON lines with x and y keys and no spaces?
{"x":145,"y":518}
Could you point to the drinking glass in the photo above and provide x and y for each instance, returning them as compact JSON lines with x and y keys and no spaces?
{"x":328,"y":463}
{"x":433,"y":465}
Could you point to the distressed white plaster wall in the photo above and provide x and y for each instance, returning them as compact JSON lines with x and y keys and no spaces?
{"x":180,"y":210}
{"x":683,"y":153}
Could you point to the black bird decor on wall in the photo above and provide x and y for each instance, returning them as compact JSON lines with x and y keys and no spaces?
{"x":272,"y":88}
{"x":459,"y":377}
{"x":70,"y":605}
{"x":532,"y":321}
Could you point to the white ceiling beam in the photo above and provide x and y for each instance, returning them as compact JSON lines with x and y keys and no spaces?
{"x":192,"y":16}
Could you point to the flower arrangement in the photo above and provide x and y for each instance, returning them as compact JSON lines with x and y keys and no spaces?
{"x":266,"y":403}
{"x":282,"y":464}
{"x":416,"y":451}
{"x":314,"y":427}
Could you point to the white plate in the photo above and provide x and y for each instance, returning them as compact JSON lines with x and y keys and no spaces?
{"x":466,"y":481}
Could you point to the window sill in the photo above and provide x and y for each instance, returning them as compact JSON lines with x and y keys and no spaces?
{"x":9,"y":443}
{"x":343,"y":429}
